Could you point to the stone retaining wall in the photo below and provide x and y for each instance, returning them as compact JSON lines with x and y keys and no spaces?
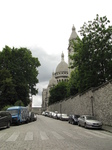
{"x":97,"y":102}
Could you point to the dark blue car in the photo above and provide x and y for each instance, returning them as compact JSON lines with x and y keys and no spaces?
{"x":73,"y":119}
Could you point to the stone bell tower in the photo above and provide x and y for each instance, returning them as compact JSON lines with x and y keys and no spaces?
{"x":73,"y":36}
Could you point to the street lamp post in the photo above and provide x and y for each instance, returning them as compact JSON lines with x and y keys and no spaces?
{"x":92,"y":99}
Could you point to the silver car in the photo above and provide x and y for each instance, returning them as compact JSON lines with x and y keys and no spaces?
{"x":64,"y":117}
{"x":89,"y":121}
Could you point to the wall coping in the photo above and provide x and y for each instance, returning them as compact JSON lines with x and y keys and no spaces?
{"x":102,"y":85}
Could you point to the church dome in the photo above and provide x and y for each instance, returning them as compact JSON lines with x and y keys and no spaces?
{"x":62,"y":66}
{"x":52,"y":81}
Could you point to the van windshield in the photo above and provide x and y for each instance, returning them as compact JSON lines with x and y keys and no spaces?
{"x":13,"y":112}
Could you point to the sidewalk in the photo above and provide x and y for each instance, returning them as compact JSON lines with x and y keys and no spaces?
{"x":107,"y":128}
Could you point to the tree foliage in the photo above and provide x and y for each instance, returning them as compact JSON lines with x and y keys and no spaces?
{"x":18,"y":75}
{"x":72,"y":84}
{"x":6,"y":107}
{"x":18,"y":103}
{"x":57,"y":93}
{"x":93,"y":54}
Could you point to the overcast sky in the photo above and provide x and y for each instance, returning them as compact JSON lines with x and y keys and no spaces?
{"x":44,"y":26}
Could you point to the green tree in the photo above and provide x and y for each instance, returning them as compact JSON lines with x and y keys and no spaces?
{"x":57,"y":93}
{"x":6,"y":107}
{"x":22,"y":73}
{"x":18,"y":103}
{"x":72,"y":84}
{"x":7,"y":87}
{"x":93,"y":54}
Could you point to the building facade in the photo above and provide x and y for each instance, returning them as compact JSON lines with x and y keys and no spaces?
{"x":62,"y":72}
{"x":73,"y":36}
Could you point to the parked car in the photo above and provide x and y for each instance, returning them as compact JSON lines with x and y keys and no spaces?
{"x":32,"y":116}
{"x":89,"y":121}
{"x":50,"y":114}
{"x":73,"y":119}
{"x":19,"y":114}
{"x":46,"y":113}
{"x":5,"y":119}
{"x":58,"y":115}
{"x":64,"y":117}
{"x":35,"y":117}
{"x":55,"y":115}
{"x":43,"y":113}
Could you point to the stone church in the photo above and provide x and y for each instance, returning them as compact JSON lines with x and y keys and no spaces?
{"x":62,"y":72}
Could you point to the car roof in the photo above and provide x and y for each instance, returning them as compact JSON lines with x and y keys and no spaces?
{"x":15,"y":107}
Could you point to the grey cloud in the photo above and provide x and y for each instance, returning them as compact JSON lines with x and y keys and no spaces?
{"x":48,"y":63}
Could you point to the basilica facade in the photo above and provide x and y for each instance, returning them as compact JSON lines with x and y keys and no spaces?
{"x":62,"y":72}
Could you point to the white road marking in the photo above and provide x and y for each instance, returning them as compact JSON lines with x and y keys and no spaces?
{"x":43,"y":136}
{"x":58,"y":136}
{"x":29,"y":136}
{"x":13,"y":137}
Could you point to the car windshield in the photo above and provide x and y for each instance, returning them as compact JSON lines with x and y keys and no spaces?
{"x":90,"y":118}
{"x":76,"y":116}
{"x":64,"y":114}
{"x":13,"y":112}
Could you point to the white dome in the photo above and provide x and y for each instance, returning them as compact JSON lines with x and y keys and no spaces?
{"x":52,"y":81}
{"x":62,"y":66}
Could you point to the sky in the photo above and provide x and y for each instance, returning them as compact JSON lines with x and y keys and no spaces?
{"x":44,"y":27}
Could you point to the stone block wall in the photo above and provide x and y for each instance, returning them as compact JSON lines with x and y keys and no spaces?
{"x":103,"y":103}
{"x":97,"y":102}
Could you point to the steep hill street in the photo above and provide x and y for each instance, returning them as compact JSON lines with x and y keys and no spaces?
{"x":50,"y":134}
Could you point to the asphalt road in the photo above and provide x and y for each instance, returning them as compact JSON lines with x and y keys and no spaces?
{"x":50,"y":134}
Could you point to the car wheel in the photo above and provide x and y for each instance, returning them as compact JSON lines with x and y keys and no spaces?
{"x":27,"y":120}
{"x":73,"y":122}
{"x":78,"y":124}
{"x":8,"y":124}
{"x":85,"y":125}
{"x":18,"y":123}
